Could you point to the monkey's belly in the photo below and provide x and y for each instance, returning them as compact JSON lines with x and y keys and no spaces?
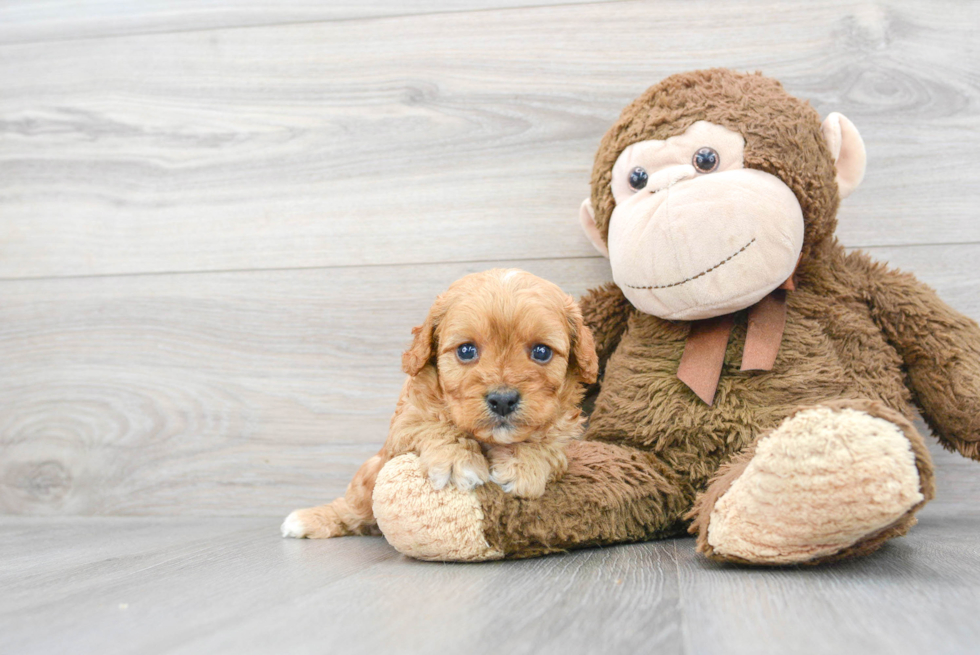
{"x":643,"y":404}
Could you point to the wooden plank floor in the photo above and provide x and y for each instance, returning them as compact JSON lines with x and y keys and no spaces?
{"x":140,"y":585}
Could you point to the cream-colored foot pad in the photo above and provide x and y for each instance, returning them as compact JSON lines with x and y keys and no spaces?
{"x":444,"y":525}
{"x":817,"y":484}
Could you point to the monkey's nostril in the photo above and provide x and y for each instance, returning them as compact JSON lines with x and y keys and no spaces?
{"x":503,"y":402}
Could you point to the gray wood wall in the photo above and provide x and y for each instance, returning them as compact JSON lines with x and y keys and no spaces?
{"x":220,"y":220}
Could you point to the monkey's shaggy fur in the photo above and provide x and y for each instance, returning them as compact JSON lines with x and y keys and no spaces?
{"x":858,"y":335}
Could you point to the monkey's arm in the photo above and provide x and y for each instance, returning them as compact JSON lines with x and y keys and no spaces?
{"x":606,"y":311}
{"x":941,"y":351}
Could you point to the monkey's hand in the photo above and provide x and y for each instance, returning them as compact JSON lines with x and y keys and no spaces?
{"x":941,"y":351}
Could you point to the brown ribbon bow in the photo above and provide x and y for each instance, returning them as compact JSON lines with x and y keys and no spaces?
{"x":704,"y":351}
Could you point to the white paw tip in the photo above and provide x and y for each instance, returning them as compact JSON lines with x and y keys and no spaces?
{"x":506,"y":486}
{"x":293,"y":527}
{"x":438,"y":479}
{"x":468,"y":479}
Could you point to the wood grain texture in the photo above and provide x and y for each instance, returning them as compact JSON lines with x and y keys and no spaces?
{"x":125,"y":586}
{"x":232,"y":585}
{"x":28,"y":21}
{"x":441,"y":137}
{"x":622,"y":598}
{"x":916,"y":595}
{"x":250,"y":393}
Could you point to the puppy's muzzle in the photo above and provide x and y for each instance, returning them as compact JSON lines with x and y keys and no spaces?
{"x":503,"y":402}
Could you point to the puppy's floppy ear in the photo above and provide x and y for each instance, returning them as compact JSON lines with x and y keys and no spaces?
{"x":584,"y":359}
{"x":423,"y":348}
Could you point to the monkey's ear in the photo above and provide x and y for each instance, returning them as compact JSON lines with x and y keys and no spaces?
{"x":584,"y":359}
{"x":423,"y":345}
{"x":847,"y":147}
{"x":587,"y":218}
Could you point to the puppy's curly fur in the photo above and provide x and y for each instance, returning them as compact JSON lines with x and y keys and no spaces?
{"x":445,"y":411}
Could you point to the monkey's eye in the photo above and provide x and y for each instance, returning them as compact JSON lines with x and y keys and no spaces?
{"x":466,"y":352}
{"x":541,"y":353}
{"x":638,"y":178}
{"x":705,"y":160}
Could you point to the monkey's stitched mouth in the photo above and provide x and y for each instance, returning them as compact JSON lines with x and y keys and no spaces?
{"x":701,"y":274}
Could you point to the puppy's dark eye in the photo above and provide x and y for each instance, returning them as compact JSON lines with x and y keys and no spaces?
{"x":706,"y":160}
{"x":541,"y":353}
{"x":466,"y":352}
{"x":638,"y":178}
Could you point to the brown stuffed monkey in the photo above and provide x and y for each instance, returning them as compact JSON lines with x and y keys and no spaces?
{"x":758,"y":380}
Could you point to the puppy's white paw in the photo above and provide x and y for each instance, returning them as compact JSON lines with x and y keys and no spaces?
{"x":524,"y":473}
{"x":508,"y":487}
{"x":461,"y":467}
{"x":461,"y":476}
{"x":439,"y":476}
{"x":468,"y":477}
{"x":293,"y":526}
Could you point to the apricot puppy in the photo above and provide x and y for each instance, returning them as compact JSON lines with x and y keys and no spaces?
{"x":495,"y":380}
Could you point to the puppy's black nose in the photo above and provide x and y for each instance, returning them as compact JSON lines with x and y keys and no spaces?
{"x":503,"y":402}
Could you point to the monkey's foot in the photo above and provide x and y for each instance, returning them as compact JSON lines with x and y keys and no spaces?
{"x":830,"y":482}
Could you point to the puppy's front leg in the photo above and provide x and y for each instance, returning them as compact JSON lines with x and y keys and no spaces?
{"x":459,"y":461}
{"x":525,"y":469}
